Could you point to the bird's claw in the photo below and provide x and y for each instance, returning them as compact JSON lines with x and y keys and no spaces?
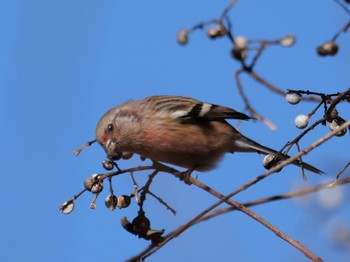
{"x":185,"y":176}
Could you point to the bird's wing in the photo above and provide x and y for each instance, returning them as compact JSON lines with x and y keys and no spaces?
{"x":186,"y":108}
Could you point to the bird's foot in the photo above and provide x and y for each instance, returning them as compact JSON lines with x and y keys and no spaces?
{"x":185,"y":176}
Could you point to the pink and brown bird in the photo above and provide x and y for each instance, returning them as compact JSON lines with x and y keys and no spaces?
{"x":177,"y":130}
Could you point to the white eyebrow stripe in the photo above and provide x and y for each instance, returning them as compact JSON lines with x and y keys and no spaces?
{"x":179,"y":113}
{"x":205,"y":109}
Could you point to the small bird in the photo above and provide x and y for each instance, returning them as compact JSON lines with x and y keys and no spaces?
{"x":178,"y":130}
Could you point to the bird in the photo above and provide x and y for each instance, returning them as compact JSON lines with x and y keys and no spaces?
{"x":177,"y":130}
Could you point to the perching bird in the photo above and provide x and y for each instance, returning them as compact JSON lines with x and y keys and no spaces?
{"x":178,"y":130}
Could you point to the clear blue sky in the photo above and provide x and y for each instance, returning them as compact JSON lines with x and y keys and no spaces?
{"x":64,"y":63}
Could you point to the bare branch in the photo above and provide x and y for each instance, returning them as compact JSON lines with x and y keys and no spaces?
{"x":149,"y":251}
{"x":298,"y":193}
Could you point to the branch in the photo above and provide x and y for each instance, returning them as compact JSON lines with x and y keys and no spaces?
{"x":337,"y":100}
{"x":150,"y":250}
{"x":237,"y":206}
{"x":298,"y":193}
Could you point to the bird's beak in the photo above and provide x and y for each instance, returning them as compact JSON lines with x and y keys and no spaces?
{"x":111,"y":148}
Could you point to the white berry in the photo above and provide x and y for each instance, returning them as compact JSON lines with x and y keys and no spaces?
{"x":301,"y":121}
{"x":293,"y":98}
{"x":241,"y":42}
{"x":288,"y":40}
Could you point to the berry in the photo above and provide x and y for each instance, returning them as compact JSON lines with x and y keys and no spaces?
{"x":217,"y":31}
{"x":241,"y":43}
{"x":182,"y":37}
{"x":301,"y":121}
{"x":67,"y":207}
{"x":328,"y":48}
{"x":111,"y":202}
{"x":288,"y":40}
{"x":123,"y":201}
{"x":293,"y":98}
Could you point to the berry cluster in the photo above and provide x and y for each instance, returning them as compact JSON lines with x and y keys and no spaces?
{"x":333,"y":119}
{"x":241,"y":45}
{"x":331,"y":116}
{"x":140,"y":225}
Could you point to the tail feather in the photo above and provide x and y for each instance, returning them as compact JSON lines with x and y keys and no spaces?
{"x":247,"y":145}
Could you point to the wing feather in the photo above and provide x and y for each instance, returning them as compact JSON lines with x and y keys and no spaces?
{"x":191,"y":109}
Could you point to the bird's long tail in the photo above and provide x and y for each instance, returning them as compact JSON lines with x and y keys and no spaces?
{"x":244,"y":144}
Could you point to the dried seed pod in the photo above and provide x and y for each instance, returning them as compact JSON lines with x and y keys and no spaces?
{"x":141,"y":224}
{"x":238,"y":54}
{"x":328,"y":48}
{"x":111,"y":202}
{"x":127,"y":225}
{"x":88,"y":182}
{"x":107,"y":164}
{"x":97,"y":187}
{"x":271,"y":161}
{"x":268,"y":161}
{"x":67,"y":207}
{"x":123,"y":201}
{"x":334,"y":115}
{"x":155,"y":236}
{"x":182,"y":37}
{"x":217,"y":31}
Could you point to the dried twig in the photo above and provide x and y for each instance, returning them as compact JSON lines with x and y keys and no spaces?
{"x":277,"y":90}
{"x":294,"y":194}
{"x":248,"y":106}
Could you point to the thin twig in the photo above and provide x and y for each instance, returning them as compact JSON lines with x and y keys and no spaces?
{"x":301,"y":161}
{"x":316,"y":108}
{"x":298,"y":193}
{"x":163,"y":203}
{"x":277,"y":90}
{"x":341,"y":172}
{"x":343,"y":29}
{"x":147,"y":185}
{"x":228,"y":8}
{"x":248,"y":106}
{"x":302,"y":134}
{"x":257,"y":55}
{"x":77,"y":151}
{"x":337,"y":100}
{"x":343,"y":6}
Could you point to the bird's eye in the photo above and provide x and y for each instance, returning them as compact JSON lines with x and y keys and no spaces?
{"x":110,"y":128}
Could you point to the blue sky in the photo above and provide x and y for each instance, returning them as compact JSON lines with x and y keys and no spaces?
{"x":65,"y":63}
